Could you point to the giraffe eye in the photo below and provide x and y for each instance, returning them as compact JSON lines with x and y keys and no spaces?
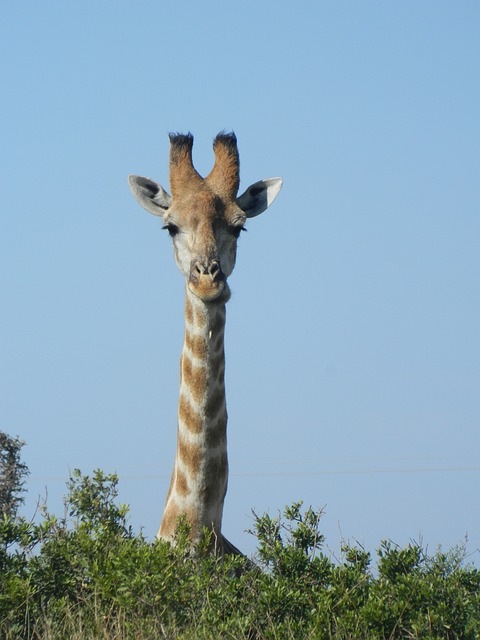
{"x":172,"y":229}
{"x":236,"y":231}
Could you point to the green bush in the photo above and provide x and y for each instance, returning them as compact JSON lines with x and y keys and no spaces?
{"x":86,"y":575}
{"x":12,"y":474}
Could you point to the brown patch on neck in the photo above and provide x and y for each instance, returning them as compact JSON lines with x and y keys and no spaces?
{"x":195,"y":378}
{"x":189,"y":417}
{"x":197,"y":345}
{"x":170,"y":521}
{"x":190,"y":454}
{"x":181,"y":484}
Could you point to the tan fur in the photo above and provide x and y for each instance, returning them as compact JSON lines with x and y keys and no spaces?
{"x":199,"y":317}
{"x":195,"y":378}
{"x":190,"y":418}
{"x":183,"y":176}
{"x":170,"y":520}
{"x":188,"y":311}
{"x":170,"y":486}
{"x":181,"y":484}
{"x":190,"y":454}
{"x":224,"y":178}
{"x":197,"y":345}
{"x":204,"y":218}
{"x":205,"y":206}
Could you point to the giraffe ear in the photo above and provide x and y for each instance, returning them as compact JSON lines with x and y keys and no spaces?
{"x":259,"y":196}
{"x":150,"y":195}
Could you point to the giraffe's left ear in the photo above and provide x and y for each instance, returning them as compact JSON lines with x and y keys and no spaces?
{"x":259,"y":196}
{"x":150,"y":195}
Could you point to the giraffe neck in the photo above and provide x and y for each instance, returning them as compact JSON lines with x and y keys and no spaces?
{"x":199,"y":478}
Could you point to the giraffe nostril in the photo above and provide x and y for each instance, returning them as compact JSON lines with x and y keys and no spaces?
{"x":214,"y":269}
{"x":209,"y":268}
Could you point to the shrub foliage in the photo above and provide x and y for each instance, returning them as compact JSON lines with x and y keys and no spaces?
{"x":12,"y":474}
{"x":88,"y":575}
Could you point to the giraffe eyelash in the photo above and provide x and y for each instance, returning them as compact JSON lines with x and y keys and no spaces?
{"x":172,"y":229}
{"x":236,"y":231}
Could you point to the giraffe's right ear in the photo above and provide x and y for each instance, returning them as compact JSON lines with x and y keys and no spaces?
{"x":150,"y":195}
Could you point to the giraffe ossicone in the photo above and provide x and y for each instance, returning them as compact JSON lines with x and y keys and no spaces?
{"x":204,"y":217}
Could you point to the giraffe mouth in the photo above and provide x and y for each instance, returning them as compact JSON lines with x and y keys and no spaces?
{"x":217,"y":291}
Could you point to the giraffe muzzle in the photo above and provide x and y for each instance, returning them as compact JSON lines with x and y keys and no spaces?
{"x":206,"y":279}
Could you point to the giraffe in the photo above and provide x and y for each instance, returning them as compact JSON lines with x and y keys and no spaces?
{"x":204,"y":218}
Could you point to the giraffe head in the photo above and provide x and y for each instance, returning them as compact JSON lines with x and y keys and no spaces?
{"x":204,"y":216}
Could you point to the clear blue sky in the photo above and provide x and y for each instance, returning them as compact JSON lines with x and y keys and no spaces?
{"x":353,"y":350}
